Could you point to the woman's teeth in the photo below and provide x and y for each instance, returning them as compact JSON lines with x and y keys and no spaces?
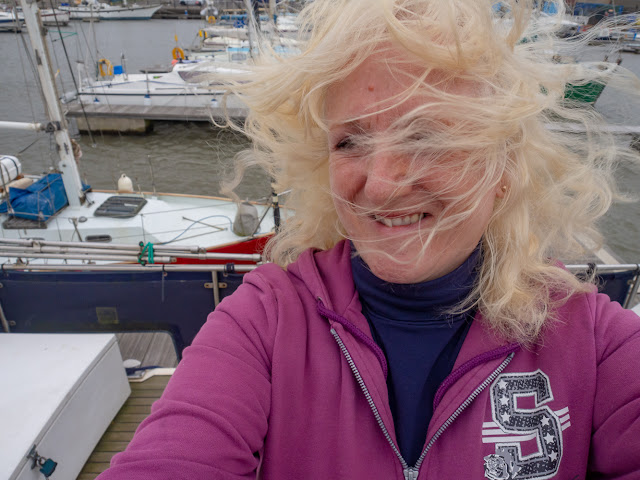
{"x":398,"y":221}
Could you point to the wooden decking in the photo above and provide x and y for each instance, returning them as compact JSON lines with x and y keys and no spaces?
{"x":151,"y":349}
{"x":122,"y":428}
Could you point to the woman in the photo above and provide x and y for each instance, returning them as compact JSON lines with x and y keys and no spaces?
{"x":416,"y":322}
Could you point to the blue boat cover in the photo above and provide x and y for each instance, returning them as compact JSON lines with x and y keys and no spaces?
{"x":40,"y":201}
{"x":92,"y":302}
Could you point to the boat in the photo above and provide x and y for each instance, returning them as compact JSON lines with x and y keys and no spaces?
{"x":580,"y":94}
{"x":9,"y":23}
{"x":180,"y":93}
{"x":83,"y":376}
{"x":183,"y":92}
{"x":110,"y":302}
{"x":7,"y":17}
{"x":235,"y":26}
{"x":50,"y":17}
{"x":630,"y":47}
{"x":182,"y":86}
{"x":93,"y":9}
{"x":59,"y":207}
{"x":565,"y":27}
{"x":98,"y":287}
{"x":54,"y":17}
{"x":588,"y":93}
{"x":215,"y":45}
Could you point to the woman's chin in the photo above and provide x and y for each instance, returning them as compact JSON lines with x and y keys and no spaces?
{"x":395,"y":271}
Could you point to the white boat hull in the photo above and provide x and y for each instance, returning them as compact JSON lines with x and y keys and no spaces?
{"x":169,"y":219}
{"x":159,"y":90}
{"x":184,"y":99}
{"x":51,"y":18}
{"x":133,"y":12}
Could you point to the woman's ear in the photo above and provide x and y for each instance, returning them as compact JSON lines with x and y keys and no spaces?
{"x":501,"y":189}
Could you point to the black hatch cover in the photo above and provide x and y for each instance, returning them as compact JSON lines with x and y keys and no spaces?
{"x":120,"y":206}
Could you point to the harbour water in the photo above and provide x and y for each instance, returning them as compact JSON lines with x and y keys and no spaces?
{"x":193,"y":157}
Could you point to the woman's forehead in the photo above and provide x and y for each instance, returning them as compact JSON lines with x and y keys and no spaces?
{"x":391,"y":80}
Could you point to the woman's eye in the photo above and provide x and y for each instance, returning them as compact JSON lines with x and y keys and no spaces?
{"x":344,"y":144}
{"x":418,"y":136}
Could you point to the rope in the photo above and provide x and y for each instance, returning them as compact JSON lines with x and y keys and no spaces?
{"x":148,"y":250}
{"x":194,"y":223}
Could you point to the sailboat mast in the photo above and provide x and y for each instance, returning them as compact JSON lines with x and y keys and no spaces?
{"x":58,"y":124}
{"x":252,"y":27}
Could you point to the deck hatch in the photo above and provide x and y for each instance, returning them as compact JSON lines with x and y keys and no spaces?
{"x":16,"y":223}
{"x":120,"y":206}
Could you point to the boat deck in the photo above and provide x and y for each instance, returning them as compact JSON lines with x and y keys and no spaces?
{"x":151,"y":349}
{"x":123,"y":426}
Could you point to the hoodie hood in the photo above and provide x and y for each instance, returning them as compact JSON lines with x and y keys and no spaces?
{"x":328,"y":277}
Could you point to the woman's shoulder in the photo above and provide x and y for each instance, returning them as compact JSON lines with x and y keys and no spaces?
{"x":320,"y":273}
{"x":316,"y":273}
{"x":609,"y":324}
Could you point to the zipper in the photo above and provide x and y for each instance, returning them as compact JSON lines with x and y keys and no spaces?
{"x":372,"y":405}
{"x":461,"y":408}
{"x":411,"y":473}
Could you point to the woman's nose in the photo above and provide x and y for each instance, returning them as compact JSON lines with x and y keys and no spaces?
{"x":387,"y":177}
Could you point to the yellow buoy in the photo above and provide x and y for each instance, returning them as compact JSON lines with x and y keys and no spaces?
{"x":178,"y":53}
{"x":105,"y":67}
{"x":211,"y":19}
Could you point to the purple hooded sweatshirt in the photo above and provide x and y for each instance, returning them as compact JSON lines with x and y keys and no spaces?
{"x":285,"y":382}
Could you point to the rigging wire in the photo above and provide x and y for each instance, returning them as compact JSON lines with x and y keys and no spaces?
{"x":93,"y":61}
{"x":33,"y":70}
{"x":73,"y":78}
{"x":30,"y":145}
{"x":26,"y":83}
{"x":89,"y":57}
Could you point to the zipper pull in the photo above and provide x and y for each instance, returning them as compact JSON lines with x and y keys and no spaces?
{"x":410,"y":473}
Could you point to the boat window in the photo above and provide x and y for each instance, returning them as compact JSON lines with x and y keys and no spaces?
{"x":98,"y":238}
{"x":238,"y":57}
{"x":120,"y":206}
{"x":191,"y":76}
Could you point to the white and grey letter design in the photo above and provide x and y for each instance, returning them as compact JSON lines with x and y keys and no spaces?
{"x":514,"y":426}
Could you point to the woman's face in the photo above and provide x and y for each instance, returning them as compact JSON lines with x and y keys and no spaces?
{"x":380,"y":214}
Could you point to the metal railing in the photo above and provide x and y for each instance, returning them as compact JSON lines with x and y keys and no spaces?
{"x":146,"y":255}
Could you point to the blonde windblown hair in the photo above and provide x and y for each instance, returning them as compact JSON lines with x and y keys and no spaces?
{"x":558,"y":184}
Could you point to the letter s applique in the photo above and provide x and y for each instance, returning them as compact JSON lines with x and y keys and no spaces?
{"x":513,"y":425}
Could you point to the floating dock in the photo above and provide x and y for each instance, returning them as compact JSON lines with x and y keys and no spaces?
{"x":189,"y":12}
{"x":140,"y":119}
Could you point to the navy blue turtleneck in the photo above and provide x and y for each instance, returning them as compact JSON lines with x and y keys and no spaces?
{"x":420,"y":340}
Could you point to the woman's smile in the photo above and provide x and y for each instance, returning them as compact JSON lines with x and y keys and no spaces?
{"x":398,"y":221}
